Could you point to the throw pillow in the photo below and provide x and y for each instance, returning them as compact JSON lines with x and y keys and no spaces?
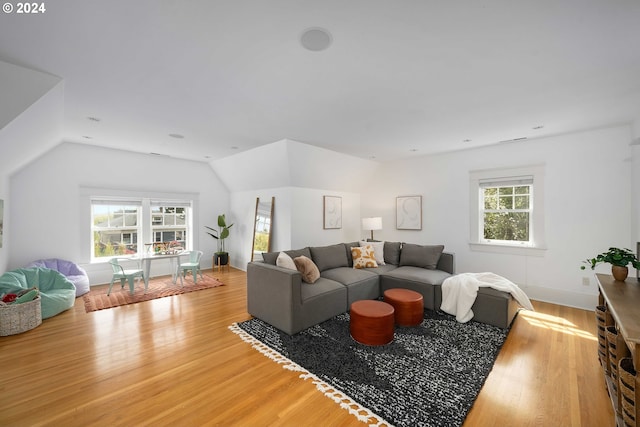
{"x":328,"y":257}
{"x":285,"y":261}
{"x":348,"y":246}
{"x":378,"y":250}
{"x":309,"y":270}
{"x":420,"y":256}
{"x":363,"y":257}
{"x":392,"y":253}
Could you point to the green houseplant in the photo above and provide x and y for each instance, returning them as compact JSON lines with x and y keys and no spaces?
{"x":221,"y":257}
{"x":619,"y":260}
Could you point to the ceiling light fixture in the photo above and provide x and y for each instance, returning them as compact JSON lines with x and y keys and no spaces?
{"x":315,"y":39}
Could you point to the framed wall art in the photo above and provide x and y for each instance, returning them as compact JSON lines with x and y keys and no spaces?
{"x":332,"y":212}
{"x":409,"y":213}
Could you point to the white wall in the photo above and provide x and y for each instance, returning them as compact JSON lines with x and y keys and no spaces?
{"x":289,"y":163}
{"x":587,"y":207}
{"x":297,"y":220}
{"x":24,"y":135}
{"x":49,"y":206}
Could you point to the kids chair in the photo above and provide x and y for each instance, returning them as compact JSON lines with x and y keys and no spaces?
{"x":193,"y":264}
{"x":122,"y":274}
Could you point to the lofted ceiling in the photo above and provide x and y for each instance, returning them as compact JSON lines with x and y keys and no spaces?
{"x":399,"y":79}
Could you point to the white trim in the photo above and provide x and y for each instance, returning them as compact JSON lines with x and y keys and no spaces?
{"x":585,"y":301}
{"x":537,"y":232}
{"x":514,"y":249}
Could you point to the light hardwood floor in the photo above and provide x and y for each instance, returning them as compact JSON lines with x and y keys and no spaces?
{"x":173,"y":361}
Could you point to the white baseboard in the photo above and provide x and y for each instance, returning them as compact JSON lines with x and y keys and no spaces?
{"x":568,"y":298}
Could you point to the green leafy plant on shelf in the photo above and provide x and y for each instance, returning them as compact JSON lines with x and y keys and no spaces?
{"x":614,"y":256}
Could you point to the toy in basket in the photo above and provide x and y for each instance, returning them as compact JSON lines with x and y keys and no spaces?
{"x":20,"y":312}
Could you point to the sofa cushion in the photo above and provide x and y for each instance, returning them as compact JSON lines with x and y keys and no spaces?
{"x":392,"y":253}
{"x":285,"y":261}
{"x":420,"y":255}
{"x":326,"y":257}
{"x":363,"y":257}
{"x":378,"y":250}
{"x":271,"y":257}
{"x":307,"y":268}
{"x":360,"y":283}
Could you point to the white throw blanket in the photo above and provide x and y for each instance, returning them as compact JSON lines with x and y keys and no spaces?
{"x":459,"y":293}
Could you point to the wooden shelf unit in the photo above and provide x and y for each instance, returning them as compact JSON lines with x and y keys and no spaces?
{"x":622,"y":303}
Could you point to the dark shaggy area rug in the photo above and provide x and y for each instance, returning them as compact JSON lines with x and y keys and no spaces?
{"x":429,"y":375}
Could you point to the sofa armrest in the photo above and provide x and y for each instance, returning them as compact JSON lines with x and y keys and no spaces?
{"x":447,"y":263}
{"x":273,"y":294}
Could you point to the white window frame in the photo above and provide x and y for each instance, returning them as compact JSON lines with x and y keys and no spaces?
{"x":508,"y":176}
{"x":120,"y":202}
{"x":145,"y":228}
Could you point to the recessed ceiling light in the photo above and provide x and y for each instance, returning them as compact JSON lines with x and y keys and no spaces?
{"x":176,"y":135}
{"x":316,"y":39}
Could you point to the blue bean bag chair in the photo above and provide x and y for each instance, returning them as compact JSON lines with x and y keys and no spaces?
{"x":70,"y":270}
{"x":57,"y":293}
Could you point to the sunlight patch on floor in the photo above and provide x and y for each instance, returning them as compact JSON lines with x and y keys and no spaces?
{"x":555,"y":323}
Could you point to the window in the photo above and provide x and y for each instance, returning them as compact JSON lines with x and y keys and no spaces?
{"x":115,"y":228}
{"x":169,"y":224}
{"x":122,"y":227}
{"x":507,"y":210}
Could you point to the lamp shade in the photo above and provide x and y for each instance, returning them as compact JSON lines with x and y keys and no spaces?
{"x":374,"y":223}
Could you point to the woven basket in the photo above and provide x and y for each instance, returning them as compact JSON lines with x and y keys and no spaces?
{"x":18,"y":318}
{"x":627,"y":387}
{"x":612,"y":337}
{"x":603,"y":352}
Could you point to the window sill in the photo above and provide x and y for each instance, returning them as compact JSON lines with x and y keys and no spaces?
{"x":508,"y":249}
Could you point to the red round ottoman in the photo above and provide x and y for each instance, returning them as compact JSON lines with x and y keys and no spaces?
{"x":372,"y":322}
{"x":408,"y":306}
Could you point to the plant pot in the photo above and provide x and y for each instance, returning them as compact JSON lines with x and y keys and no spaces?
{"x":619,"y":273}
{"x":221,"y":258}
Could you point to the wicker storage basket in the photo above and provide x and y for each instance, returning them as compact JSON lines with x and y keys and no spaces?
{"x":627,"y":387}
{"x":612,"y":338}
{"x":617,"y":350}
{"x":603,"y":351}
{"x":18,"y":318}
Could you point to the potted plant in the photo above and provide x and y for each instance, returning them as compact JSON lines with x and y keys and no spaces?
{"x":221,"y":257}
{"x":618,"y":258}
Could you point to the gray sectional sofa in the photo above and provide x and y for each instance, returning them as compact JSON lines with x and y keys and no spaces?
{"x":281,"y":298}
